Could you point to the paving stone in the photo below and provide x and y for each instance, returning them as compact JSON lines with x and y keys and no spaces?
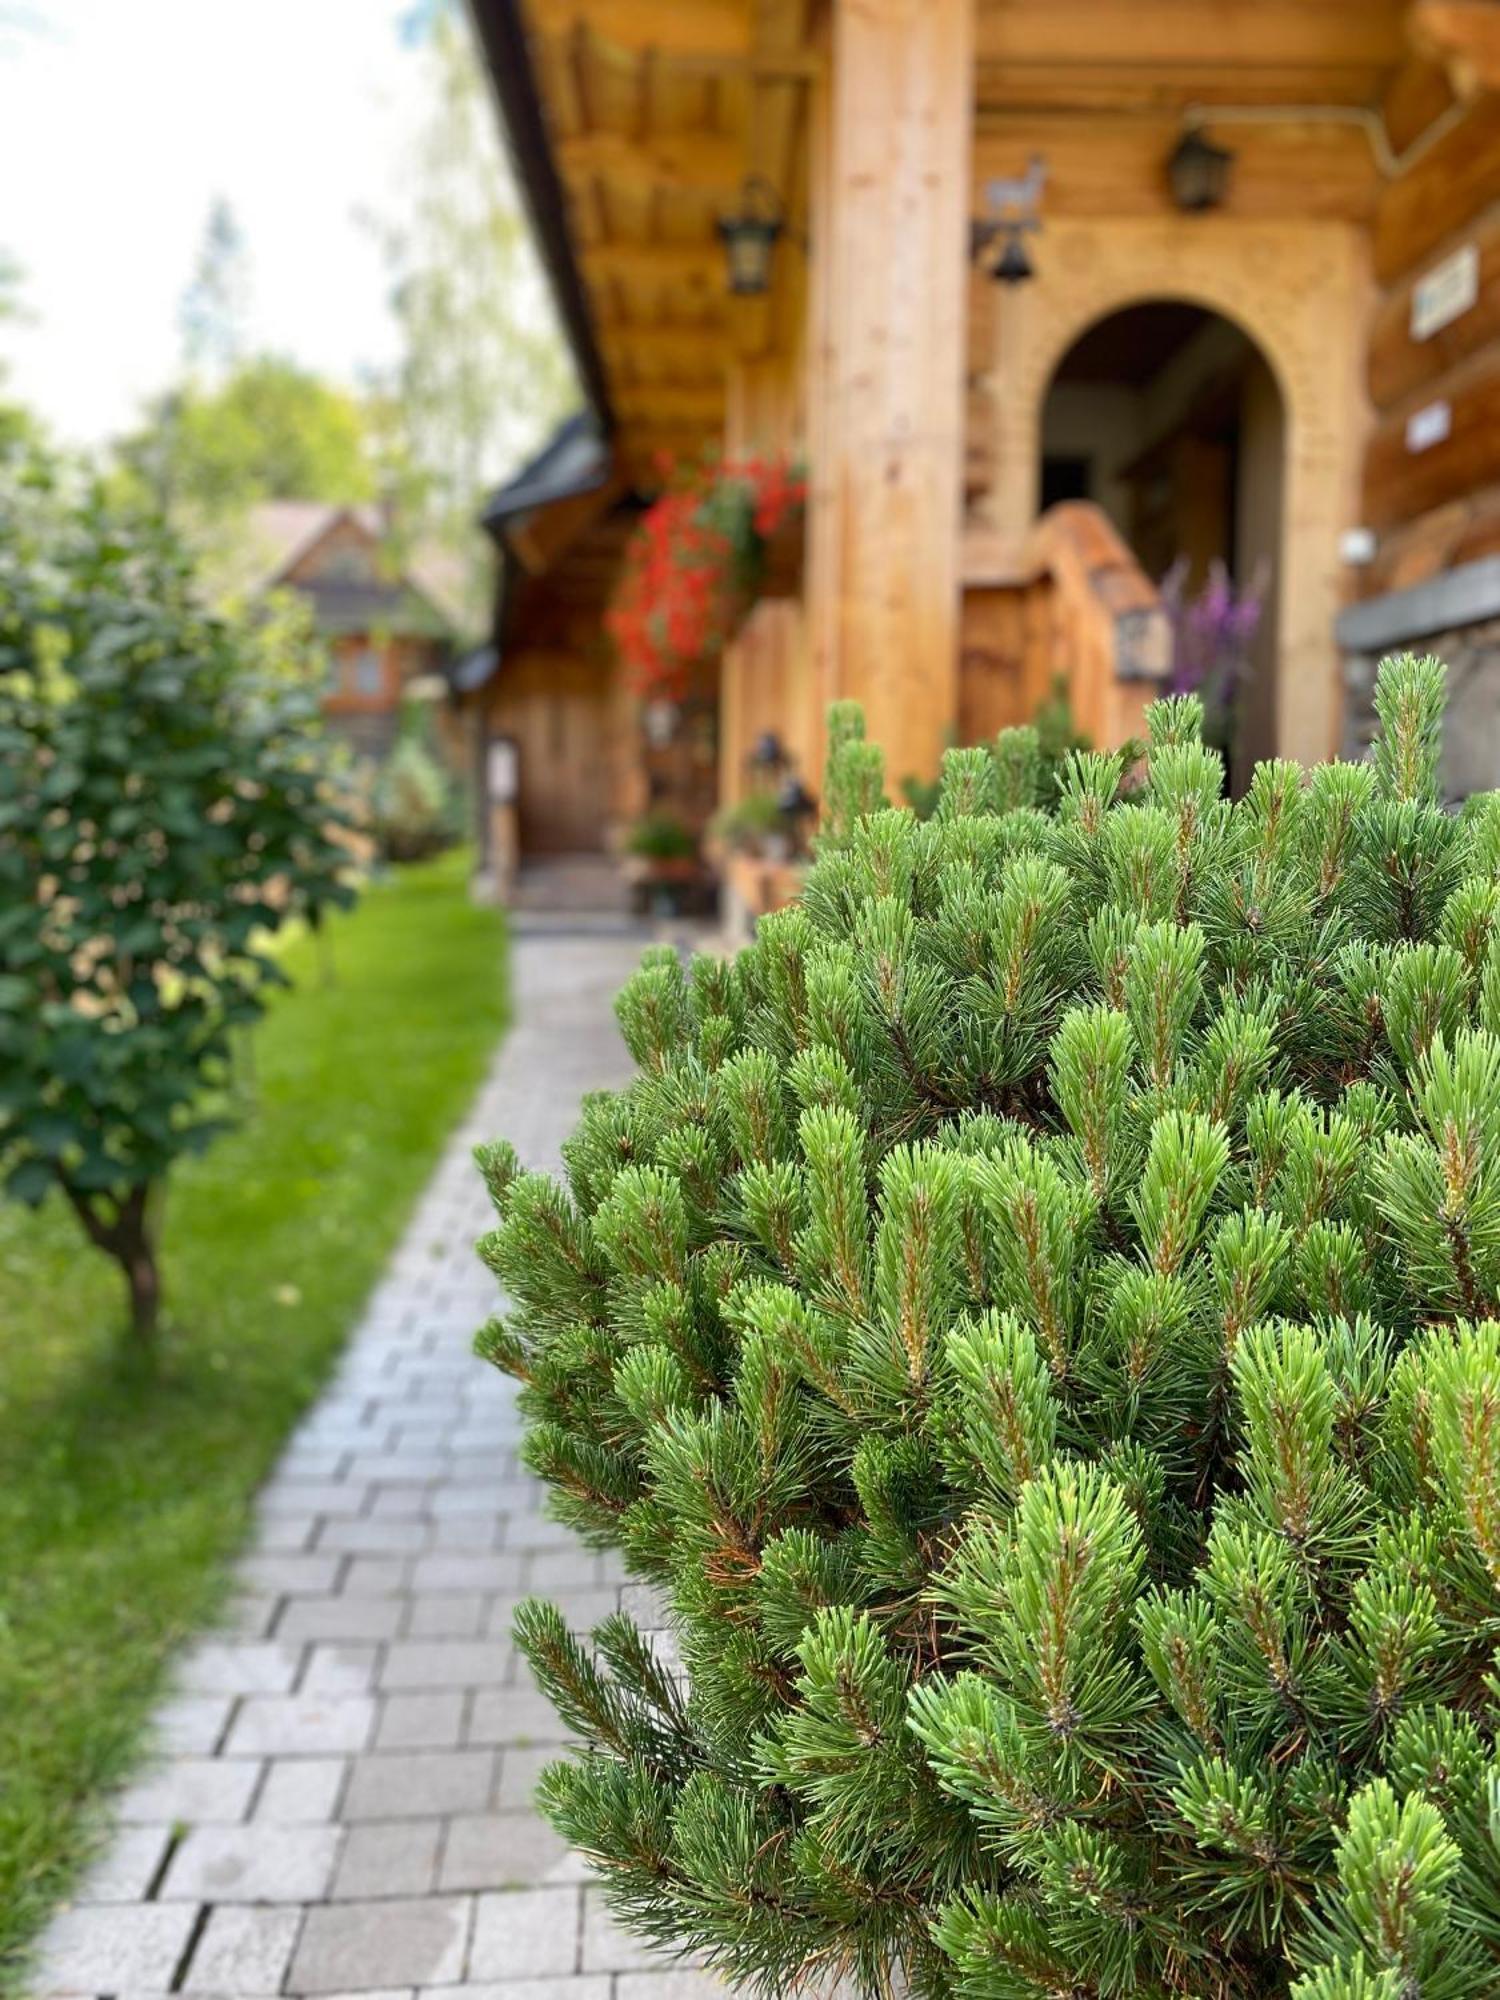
{"x":394,"y":1468}
{"x":248,"y":1616}
{"x":609,"y":1948}
{"x":401,"y":1503}
{"x":392,"y":1858}
{"x":313,"y":1496}
{"x":242,"y":1951}
{"x":340,"y":1618}
{"x":520,"y":1768}
{"x":571,"y":1986}
{"x":345,"y":1947}
{"x":446,"y":1614}
{"x":478,"y":1533}
{"x":414,"y":1784}
{"x":583,"y":1609}
{"x":291,"y":1576}
{"x":295,"y":1725}
{"x":437,"y":1663}
{"x":519,"y":1715}
{"x":191,"y":1725}
{"x":263,"y":1863}
{"x":286,"y":1534}
{"x":523,"y":1932}
{"x":373,"y":1538}
{"x":377,"y":1576}
{"x":505,"y":1851}
{"x":675,"y":1983}
{"x":335,"y":1669}
{"x":218,"y":1666}
{"x":192,"y":1791}
{"x":126,"y":1869}
{"x":432,"y":1721}
{"x":301,"y":1790}
{"x":469,"y":1572}
{"x":108,"y":1947}
{"x":384,"y":1993}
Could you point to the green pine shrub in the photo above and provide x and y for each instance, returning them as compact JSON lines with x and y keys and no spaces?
{"x":1034,"y":1320}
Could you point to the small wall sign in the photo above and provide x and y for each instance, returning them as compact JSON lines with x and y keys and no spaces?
{"x":1428,"y":426}
{"x":502,"y":771}
{"x":1446,"y":293}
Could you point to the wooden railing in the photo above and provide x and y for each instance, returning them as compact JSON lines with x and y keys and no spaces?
{"x":1072,"y":604}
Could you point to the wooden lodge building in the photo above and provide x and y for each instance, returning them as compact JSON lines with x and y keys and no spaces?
{"x":1247,"y":308}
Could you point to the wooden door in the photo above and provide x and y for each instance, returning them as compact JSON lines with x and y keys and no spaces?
{"x":555,"y":706}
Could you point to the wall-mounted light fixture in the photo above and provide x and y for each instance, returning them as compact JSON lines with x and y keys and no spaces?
{"x":1013,"y":210}
{"x":749,"y":234}
{"x":1198,"y":172}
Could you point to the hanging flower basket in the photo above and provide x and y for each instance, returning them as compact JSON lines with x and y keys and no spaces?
{"x":705,"y":550}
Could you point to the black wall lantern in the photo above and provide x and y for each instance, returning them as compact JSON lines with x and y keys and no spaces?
{"x":749,"y":236}
{"x":1014,"y":206}
{"x":1198,"y":173}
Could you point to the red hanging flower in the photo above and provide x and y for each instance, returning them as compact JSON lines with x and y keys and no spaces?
{"x":695,"y":564}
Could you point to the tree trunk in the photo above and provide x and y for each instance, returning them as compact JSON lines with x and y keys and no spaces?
{"x":144,"y":1283}
{"x":129,"y":1236}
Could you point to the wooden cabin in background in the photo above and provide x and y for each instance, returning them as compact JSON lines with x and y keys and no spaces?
{"x":1286,"y":358}
{"x":385,"y":630}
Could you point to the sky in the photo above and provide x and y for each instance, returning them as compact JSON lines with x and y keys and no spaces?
{"x":120,"y":123}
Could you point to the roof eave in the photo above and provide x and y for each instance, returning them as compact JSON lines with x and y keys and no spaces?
{"x":502,"y":35}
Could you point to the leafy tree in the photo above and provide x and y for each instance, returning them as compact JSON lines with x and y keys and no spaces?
{"x":269,"y":430}
{"x":216,"y":304}
{"x":164,"y":807}
{"x":483,"y":374}
{"x":1035,"y":1320}
{"x":17,"y":425}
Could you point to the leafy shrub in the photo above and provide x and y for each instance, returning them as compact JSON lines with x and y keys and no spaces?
{"x":1032,"y":1318}
{"x":164,"y":805}
{"x":412,"y":808}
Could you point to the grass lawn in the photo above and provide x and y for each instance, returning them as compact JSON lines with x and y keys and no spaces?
{"x":122,"y":1493}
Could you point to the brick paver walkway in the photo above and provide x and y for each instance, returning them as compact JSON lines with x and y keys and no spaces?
{"x":340,"y":1802}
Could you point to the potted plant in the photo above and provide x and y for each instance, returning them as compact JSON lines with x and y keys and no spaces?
{"x":662,"y":864}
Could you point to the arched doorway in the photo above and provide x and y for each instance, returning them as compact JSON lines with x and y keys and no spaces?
{"x":1168,"y":417}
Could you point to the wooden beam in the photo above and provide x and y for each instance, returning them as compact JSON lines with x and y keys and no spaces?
{"x":705,"y":30}
{"x":648,"y":403}
{"x":1462,"y":531}
{"x":542,"y":536}
{"x":1440,"y":192}
{"x":890,"y":224}
{"x":645,"y":353}
{"x":1464,"y":35}
{"x":1092,"y":87}
{"x":656,"y":263}
{"x":1236,"y":34}
{"x":1400,"y":482}
{"x":1418,"y":93}
{"x":1401,"y":366}
{"x":701,"y":162}
{"x":1118,"y":166}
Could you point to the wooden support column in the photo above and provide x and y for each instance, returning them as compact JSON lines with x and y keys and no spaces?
{"x":891,"y":177}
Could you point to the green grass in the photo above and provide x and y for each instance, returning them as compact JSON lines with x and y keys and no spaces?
{"x":123,"y":1492}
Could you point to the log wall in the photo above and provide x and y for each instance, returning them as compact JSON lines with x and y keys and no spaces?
{"x":1431,"y":486}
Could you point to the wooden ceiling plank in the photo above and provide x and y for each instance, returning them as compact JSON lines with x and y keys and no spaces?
{"x":707,"y":30}
{"x":656,"y":263}
{"x":1094,"y":89}
{"x":1333,"y":34}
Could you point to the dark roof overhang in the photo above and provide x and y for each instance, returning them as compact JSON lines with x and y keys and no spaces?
{"x":502,"y":35}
